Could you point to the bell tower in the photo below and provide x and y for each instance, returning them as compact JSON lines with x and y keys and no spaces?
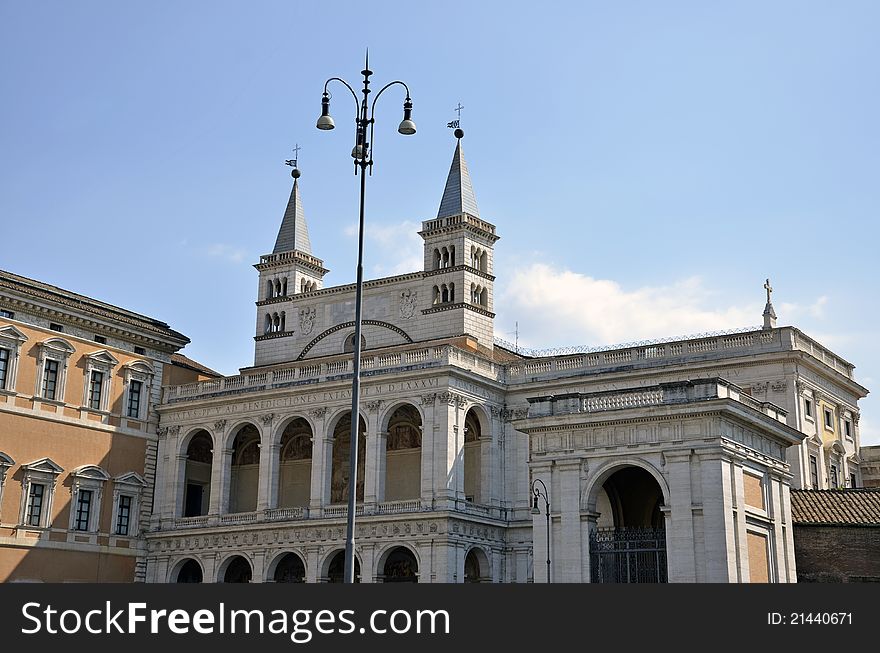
{"x":459,"y":252}
{"x":290,"y":269}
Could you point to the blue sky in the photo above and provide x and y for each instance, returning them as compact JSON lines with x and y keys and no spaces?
{"x":660,"y":159}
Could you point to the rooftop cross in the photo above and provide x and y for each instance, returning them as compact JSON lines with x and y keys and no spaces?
{"x":292,"y":162}
{"x":769,"y":289}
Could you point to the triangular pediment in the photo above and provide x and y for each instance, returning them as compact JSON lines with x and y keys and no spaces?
{"x":46,"y":465}
{"x":130,"y":478}
{"x":103,"y":357}
{"x":10,"y":332}
{"x":90,"y":471}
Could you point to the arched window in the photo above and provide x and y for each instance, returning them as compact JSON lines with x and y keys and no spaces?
{"x":436,"y":298}
{"x":444,"y":293}
{"x":452,"y":292}
{"x":283,"y":319}
{"x":295,"y":464}
{"x":445,"y":252}
{"x":436,"y":259}
{"x":403,"y":454}
{"x":482,"y":266}
{"x":348,"y":345}
{"x":267,"y":327}
{"x":270,"y":289}
{"x":284,"y":286}
{"x":484,"y":297}
{"x":452,"y":256}
{"x":197,"y":475}
{"x":341,"y":450}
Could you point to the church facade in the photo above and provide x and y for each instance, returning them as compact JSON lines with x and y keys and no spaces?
{"x":666,"y":461}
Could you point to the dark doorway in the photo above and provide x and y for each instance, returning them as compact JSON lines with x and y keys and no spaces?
{"x":400,"y":567}
{"x":190,"y":572}
{"x":193,"y":506}
{"x":336,"y":569}
{"x":237,"y":571}
{"x":290,"y":569}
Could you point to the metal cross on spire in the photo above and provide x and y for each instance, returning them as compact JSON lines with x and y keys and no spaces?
{"x":457,"y":122}
{"x":292,"y":162}
{"x":769,"y":289}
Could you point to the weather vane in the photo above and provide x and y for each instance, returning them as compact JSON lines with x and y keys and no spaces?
{"x":455,"y":124}
{"x":292,"y":162}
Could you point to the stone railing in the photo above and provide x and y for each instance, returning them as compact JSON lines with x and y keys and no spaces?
{"x":392,"y":507}
{"x":308,"y":372}
{"x":337,"y":511}
{"x":678,"y":392}
{"x":592,"y":361}
{"x":810,"y":346}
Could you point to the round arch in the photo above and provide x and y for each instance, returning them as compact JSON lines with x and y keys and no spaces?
{"x":280,"y":567}
{"x":393,"y":565}
{"x":389,"y":413}
{"x":596,"y":479}
{"x":189,"y":435}
{"x":187,"y":570}
{"x":333,"y":565}
{"x":277,"y":432}
{"x":477,"y":565}
{"x":235,"y":568}
{"x":230,"y":435}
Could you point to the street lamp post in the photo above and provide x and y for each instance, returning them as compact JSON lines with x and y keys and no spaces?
{"x":541,"y":492}
{"x":362,"y":153}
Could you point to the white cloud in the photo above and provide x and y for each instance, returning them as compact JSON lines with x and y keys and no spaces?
{"x":868,"y":434}
{"x":398,"y":247}
{"x":226,"y":252}
{"x":560,"y":307}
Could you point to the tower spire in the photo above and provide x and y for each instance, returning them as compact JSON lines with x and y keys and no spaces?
{"x":769,"y":313}
{"x":458,"y":196}
{"x":294,"y":233}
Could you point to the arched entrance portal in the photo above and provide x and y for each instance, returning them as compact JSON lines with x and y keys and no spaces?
{"x":476,"y":566}
{"x":403,"y":454}
{"x":629,"y":544}
{"x":341,"y":455}
{"x":238,"y":570}
{"x":336,"y":569}
{"x":190,"y":572}
{"x":290,"y":569}
{"x":400,"y":566}
{"x":197,"y":475}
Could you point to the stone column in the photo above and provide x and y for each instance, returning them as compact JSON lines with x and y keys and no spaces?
{"x":178,"y":490}
{"x":258,"y":572}
{"x":321,"y":457}
{"x":679,"y":521}
{"x":221,"y":476}
{"x":429,"y":433}
{"x":739,"y":510}
{"x":374,"y":452}
{"x":718,"y":529}
{"x":448,"y":450}
{"x":589,"y":530}
{"x":313,"y":565}
{"x":568,"y":549}
{"x":267,"y":483}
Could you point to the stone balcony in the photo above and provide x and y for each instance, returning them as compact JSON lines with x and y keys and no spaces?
{"x":664,"y":394}
{"x":336,"y":512}
{"x":544,"y":365}
{"x":335,"y":368}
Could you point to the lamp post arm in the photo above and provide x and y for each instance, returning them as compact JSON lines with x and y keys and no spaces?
{"x":372,"y":115}
{"x":350,"y":90}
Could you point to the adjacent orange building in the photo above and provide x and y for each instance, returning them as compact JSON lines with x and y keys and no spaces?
{"x":79,"y":380}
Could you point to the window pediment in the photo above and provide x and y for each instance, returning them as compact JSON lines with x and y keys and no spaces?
{"x":131,"y":479}
{"x":102,"y":358}
{"x":6,"y":460}
{"x":44,"y":465}
{"x":57,"y":346}
{"x":9,"y":332}
{"x":90,"y":472}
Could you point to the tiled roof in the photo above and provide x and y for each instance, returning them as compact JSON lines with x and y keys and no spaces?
{"x":184,"y":361}
{"x":859,"y":506}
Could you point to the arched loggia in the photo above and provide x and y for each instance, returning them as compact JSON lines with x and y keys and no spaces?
{"x":341,"y":455}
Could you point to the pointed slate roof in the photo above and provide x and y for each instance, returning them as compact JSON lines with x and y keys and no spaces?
{"x":294,"y":233}
{"x":458,"y":196}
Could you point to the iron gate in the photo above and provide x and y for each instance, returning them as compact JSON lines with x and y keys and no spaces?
{"x":628,"y":555}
